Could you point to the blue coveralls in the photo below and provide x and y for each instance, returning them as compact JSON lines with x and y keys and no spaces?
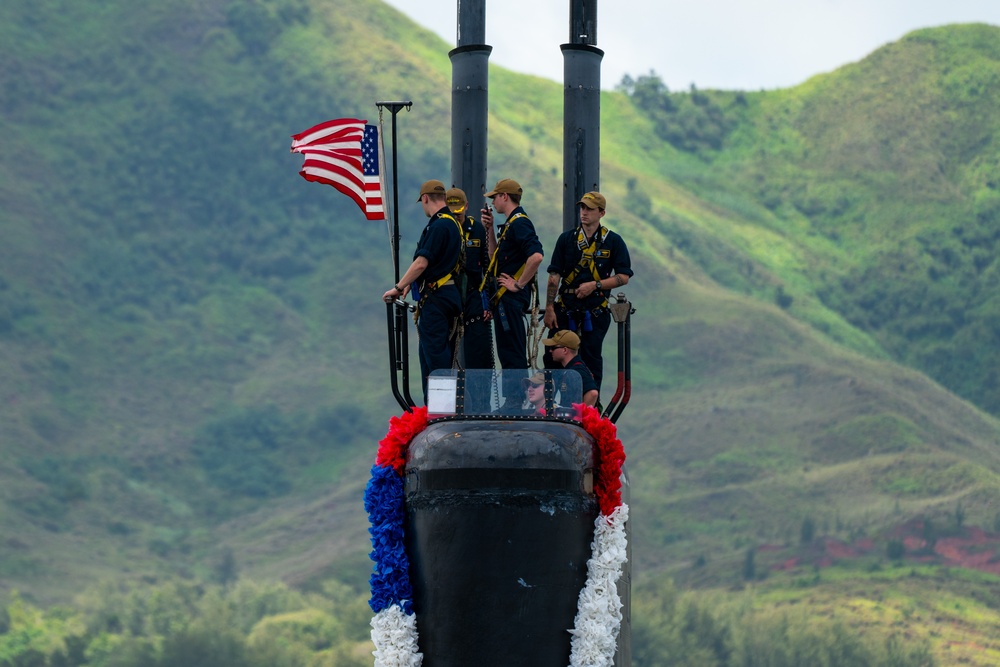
{"x":589,"y":318}
{"x":514,"y":246}
{"x":440,"y":243}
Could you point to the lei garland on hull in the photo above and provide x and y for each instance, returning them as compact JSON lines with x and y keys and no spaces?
{"x":598,"y":617}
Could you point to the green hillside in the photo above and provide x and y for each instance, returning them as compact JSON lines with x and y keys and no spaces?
{"x":192,"y":362}
{"x":873,"y":192}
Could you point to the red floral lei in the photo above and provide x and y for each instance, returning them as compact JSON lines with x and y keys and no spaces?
{"x":402,"y":429}
{"x":610,"y":456}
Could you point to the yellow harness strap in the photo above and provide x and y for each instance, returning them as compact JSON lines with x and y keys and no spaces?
{"x":491,"y":270}
{"x":461,"y":236}
{"x":587,"y":255}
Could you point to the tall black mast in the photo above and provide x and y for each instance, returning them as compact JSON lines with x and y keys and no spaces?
{"x":581,"y":108}
{"x":469,"y":101}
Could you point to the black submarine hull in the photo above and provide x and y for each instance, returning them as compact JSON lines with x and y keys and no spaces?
{"x":499,"y":525}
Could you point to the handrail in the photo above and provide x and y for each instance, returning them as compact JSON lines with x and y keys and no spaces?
{"x":621,"y":311}
{"x":399,"y":353}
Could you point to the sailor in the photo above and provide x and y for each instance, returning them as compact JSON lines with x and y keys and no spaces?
{"x":563,"y":347}
{"x":477,"y":341}
{"x":588,"y":262}
{"x":515,"y":254}
{"x":534,"y":391}
{"x":436,"y":264}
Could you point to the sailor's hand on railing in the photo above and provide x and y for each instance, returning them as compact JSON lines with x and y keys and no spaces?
{"x":395,"y":292}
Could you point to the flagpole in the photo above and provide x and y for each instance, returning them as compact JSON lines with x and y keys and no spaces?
{"x":381,"y":185}
{"x":399,"y":352}
{"x":394,"y":108}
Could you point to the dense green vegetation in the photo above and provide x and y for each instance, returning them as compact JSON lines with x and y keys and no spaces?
{"x":697,"y":122}
{"x":675,"y":629}
{"x":181,"y":625}
{"x":192,"y":375}
{"x":250,"y":625}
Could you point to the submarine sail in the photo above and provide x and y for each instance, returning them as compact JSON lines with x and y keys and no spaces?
{"x":509,"y":539}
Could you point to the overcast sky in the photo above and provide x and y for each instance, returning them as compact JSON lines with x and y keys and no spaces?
{"x":728,"y":44}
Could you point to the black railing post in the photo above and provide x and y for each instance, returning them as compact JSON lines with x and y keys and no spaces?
{"x":399,"y":352}
{"x":621,"y":311}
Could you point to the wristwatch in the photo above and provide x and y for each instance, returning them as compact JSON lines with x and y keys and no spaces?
{"x":598,"y":285}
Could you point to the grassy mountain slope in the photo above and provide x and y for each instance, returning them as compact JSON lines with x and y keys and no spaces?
{"x":191,"y":341}
{"x":175,"y":294}
{"x":873,"y":193}
{"x":773,"y":426}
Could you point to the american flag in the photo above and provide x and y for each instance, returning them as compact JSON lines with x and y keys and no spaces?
{"x":344,"y":153}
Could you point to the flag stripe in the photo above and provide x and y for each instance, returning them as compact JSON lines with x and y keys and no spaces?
{"x":331,"y":128}
{"x":350,"y":165}
{"x":334,"y":179}
{"x":336,"y":171}
{"x":342,"y":148}
{"x":344,"y":153}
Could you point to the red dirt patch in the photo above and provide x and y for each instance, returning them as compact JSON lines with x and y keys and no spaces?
{"x":969,"y":548}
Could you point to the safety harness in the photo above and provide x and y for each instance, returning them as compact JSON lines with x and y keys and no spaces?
{"x":461,"y":256}
{"x":430,"y":288}
{"x":491,"y":270}
{"x":588,"y":255}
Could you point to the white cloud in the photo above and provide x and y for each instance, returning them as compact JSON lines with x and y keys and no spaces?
{"x":729,"y":44}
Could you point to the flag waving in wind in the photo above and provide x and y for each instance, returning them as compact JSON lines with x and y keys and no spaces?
{"x":344,"y":153}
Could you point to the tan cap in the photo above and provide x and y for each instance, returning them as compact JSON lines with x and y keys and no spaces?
{"x":536,"y":379}
{"x":563,"y":338}
{"x":507,"y":186}
{"x":594,"y":200}
{"x":456,"y":200}
{"x":432,"y":188}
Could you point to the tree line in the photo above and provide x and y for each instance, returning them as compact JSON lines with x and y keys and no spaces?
{"x":254,"y":624}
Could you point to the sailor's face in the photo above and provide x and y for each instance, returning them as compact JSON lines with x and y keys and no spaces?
{"x":590,"y":215}
{"x":558,"y":352}
{"x":501,"y":202}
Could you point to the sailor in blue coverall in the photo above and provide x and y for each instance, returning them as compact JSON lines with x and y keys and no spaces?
{"x":515,"y":253}
{"x":587,"y":263}
{"x":434,"y":269}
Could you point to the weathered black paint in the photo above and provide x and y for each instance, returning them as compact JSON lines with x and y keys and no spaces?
{"x":499,"y":523}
